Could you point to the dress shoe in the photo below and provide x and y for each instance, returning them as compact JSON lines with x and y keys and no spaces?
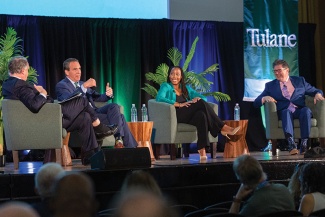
{"x":118,"y":144}
{"x":303,"y":146}
{"x":102,"y":131}
{"x":85,"y":157}
{"x":292,"y":146}
{"x":233,"y":132}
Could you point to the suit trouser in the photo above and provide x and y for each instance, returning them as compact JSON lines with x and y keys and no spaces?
{"x":78,"y":116}
{"x":203,"y":117}
{"x":303,"y":114}
{"x":110,"y":114}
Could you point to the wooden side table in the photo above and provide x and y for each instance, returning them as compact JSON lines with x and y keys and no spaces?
{"x":236,"y":145}
{"x":142,"y":133}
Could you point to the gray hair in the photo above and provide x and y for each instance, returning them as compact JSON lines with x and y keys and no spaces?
{"x":248,"y":170}
{"x":45,"y":178}
{"x":17,"y":64}
{"x":66,"y":63}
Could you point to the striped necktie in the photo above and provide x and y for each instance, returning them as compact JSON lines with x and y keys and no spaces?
{"x":76,"y":84}
{"x":286,"y":94}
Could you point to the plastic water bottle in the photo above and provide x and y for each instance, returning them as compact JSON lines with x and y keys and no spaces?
{"x":134,"y":114}
{"x":237,"y":112}
{"x":144,"y":113}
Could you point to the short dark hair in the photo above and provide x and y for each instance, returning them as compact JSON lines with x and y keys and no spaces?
{"x":312,"y":178}
{"x":66,"y":63}
{"x":283,"y":63}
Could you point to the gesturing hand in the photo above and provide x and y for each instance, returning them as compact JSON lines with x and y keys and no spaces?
{"x":90,"y":83}
{"x":40,"y":89}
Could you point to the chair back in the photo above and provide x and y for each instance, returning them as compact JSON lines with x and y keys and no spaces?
{"x":26,"y":130}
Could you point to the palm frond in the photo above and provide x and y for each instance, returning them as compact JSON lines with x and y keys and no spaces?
{"x":218,"y":96}
{"x":211,"y":69}
{"x":32,"y":75}
{"x":190,"y":54}
{"x":174,"y":55}
{"x":162,"y":73}
{"x":198,"y":82}
{"x":150,"y":90}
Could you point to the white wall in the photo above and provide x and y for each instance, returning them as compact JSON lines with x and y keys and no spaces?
{"x":217,"y":10}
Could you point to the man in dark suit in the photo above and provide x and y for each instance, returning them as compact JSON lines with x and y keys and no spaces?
{"x":77,"y":115}
{"x":288,"y":92}
{"x":110,"y":113}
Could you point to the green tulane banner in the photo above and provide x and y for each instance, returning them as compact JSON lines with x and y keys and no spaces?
{"x":270,"y":33}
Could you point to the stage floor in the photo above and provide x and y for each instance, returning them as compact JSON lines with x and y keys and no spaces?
{"x":32,"y":167}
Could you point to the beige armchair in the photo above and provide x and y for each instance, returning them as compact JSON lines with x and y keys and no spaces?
{"x":273,"y":126}
{"x":25,"y":130}
{"x":168,"y":131}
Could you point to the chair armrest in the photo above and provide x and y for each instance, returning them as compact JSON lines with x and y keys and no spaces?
{"x":165,"y":121}
{"x":214,"y":107}
{"x":319,"y":115}
{"x":271,"y":119}
{"x":100,"y":104}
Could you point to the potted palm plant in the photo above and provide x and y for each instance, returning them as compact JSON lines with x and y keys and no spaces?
{"x":9,"y":47}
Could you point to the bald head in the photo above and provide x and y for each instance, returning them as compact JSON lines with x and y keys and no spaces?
{"x":17,"y":209}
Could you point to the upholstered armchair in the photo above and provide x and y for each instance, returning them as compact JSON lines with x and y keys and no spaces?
{"x":25,"y":130}
{"x":168,"y":131}
{"x":273,"y":126}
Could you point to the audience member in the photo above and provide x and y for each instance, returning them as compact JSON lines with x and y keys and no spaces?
{"x":294,"y":184}
{"x":77,"y":115}
{"x":264,"y":197}
{"x":140,"y":180}
{"x":44,"y":180}
{"x":139,"y":203}
{"x":312,"y":179}
{"x":192,"y":108}
{"x":74,"y":196}
{"x":288,"y":92}
{"x":17,"y":209}
{"x":108,"y":114}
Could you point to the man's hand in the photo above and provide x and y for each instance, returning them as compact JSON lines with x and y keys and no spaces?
{"x":40,"y":89}
{"x":268,"y":99}
{"x":90,"y":83}
{"x":318,"y":97}
{"x":109,"y":90}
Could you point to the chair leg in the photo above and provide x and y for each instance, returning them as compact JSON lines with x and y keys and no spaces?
{"x":156,"y":151}
{"x":213,"y":149}
{"x":15,"y":159}
{"x":274,"y":146}
{"x":172,"y":151}
{"x":186,"y":149}
{"x":322,"y":142}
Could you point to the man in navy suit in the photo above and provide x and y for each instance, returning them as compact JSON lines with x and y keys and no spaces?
{"x":288,"y":92}
{"x":108,"y":114}
{"x":77,"y":115}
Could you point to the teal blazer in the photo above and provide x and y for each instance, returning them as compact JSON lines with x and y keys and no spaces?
{"x":167,"y":94}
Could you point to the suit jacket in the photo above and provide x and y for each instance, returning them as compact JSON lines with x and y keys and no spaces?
{"x":15,"y":88}
{"x":166,"y":93}
{"x":65,"y":89}
{"x":302,"y":88}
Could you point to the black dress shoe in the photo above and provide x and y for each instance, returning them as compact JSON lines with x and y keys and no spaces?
{"x":102,"y":131}
{"x":85,"y":157}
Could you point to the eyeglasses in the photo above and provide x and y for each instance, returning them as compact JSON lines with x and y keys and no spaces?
{"x":278,"y":70}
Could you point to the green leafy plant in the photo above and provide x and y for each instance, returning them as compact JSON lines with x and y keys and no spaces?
{"x":197,"y":81}
{"x":10,"y":47}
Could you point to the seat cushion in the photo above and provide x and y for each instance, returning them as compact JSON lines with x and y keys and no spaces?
{"x":185,"y":128}
{"x":297,"y":125}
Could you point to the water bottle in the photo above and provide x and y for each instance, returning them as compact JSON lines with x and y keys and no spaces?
{"x":134,"y":114}
{"x":144,"y":113}
{"x":237,"y":112}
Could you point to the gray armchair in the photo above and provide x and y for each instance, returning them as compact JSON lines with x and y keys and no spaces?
{"x":273,"y":126}
{"x":26,"y":130}
{"x":168,"y":131}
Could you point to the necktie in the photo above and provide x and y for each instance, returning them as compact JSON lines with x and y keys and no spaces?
{"x":286,"y":94}
{"x":76,"y":84}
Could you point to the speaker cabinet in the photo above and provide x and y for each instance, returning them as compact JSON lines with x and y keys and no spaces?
{"x":121,"y":158}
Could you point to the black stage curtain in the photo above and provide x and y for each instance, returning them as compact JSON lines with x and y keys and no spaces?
{"x":121,"y":51}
